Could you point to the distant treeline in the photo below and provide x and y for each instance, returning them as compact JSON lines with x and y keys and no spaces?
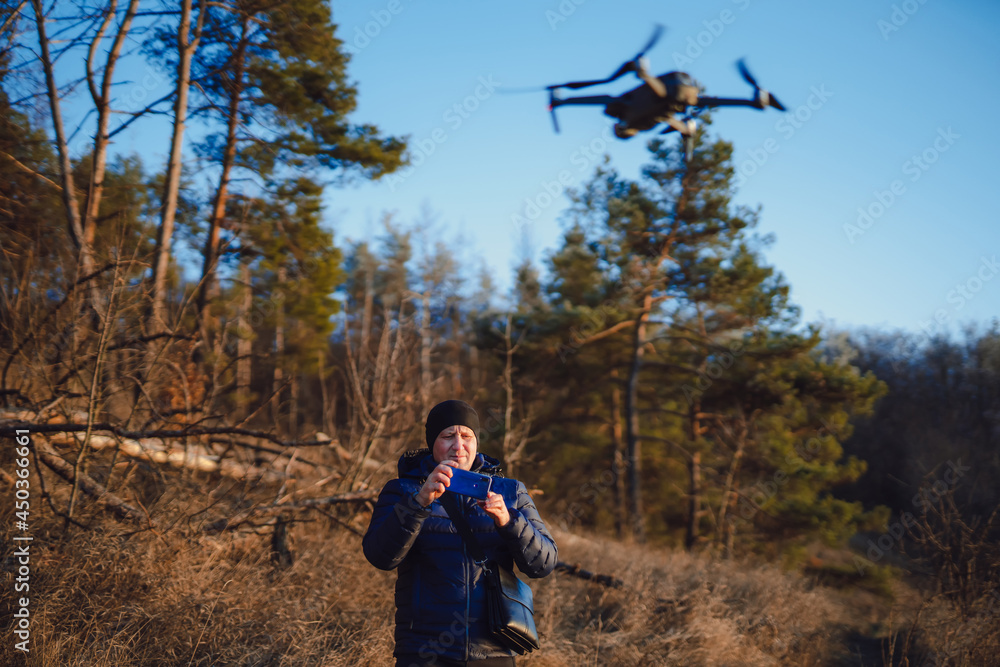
{"x":938,"y":427}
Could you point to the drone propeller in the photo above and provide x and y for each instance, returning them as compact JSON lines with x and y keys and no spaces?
{"x":636,"y":64}
{"x":766,"y":98}
{"x":745,"y":73}
{"x":653,"y":39}
{"x":552,"y":109}
{"x":522,"y":90}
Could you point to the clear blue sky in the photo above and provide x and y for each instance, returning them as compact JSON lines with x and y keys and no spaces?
{"x":870,"y":85}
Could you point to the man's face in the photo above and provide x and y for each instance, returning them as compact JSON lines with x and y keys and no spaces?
{"x":458,"y":444}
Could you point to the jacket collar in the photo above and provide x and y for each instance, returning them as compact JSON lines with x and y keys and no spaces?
{"x":419,"y":463}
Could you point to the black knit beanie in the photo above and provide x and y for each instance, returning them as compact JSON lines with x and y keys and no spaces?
{"x":450,"y":413}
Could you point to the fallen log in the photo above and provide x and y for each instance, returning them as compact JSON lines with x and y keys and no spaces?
{"x":15,"y":423}
{"x":13,"y":420}
{"x":150,"y":446}
{"x":155,"y":450}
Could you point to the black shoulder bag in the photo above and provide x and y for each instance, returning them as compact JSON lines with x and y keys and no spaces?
{"x":509,"y":605}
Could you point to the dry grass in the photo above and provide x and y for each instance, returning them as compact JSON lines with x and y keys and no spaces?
{"x":206,"y":601}
{"x":105,"y":598}
{"x":679,"y":609}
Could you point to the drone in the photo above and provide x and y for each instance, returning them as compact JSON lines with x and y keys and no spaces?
{"x":671,"y":98}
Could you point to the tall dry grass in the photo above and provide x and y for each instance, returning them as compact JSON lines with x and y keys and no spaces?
{"x":106,"y":598}
{"x":680,"y":609}
{"x":113,"y":597}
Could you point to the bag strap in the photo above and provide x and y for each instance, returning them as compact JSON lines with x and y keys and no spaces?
{"x":451,"y":506}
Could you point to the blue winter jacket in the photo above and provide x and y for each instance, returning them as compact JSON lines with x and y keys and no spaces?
{"x":440,"y":591}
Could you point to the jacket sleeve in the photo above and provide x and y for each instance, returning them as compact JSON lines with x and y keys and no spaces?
{"x":394,"y":526}
{"x":528,"y":539}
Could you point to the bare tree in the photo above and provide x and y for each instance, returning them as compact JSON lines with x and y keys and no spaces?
{"x":187,"y":43}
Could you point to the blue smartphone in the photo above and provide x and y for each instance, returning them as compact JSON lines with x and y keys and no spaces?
{"x":470,"y":484}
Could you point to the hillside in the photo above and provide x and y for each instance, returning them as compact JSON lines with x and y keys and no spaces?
{"x":113,"y":596}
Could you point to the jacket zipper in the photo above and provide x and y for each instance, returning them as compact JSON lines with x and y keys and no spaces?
{"x":468,"y":591}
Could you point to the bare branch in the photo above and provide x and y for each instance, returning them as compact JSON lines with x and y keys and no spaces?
{"x":232,"y":523}
{"x":121,"y":509}
{"x":26,"y":168}
{"x":13,"y":15}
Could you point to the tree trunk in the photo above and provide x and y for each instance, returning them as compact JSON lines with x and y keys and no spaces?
{"x":70,"y":198}
{"x":209,"y":284}
{"x":508,"y":414}
{"x":694,"y":500}
{"x":458,"y":372}
{"x":474,"y":372}
{"x":294,"y":388}
{"x":618,"y":457}
{"x":278,"y":377}
{"x":368,"y":313}
{"x":326,"y":418}
{"x":293,"y":404}
{"x":426,"y":378}
{"x":244,"y":344}
{"x":694,"y":476}
{"x":694,"y":463}
{"x":186,"y":45}
{"x":725,"y":527}
{"x":102,"y":104}
{"x":632,"y":424}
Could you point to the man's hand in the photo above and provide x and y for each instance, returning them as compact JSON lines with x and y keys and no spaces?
{"x":436,"y":483}
{"x":495,"y":506}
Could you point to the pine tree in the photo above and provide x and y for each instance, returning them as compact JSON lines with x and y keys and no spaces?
{"x":272,"y":75}
{"x":695,"y":347}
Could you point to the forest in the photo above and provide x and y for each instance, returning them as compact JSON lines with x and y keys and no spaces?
{"x":214,"y":386}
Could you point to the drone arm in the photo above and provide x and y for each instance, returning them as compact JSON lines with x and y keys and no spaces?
{"x":591,"y":99}
{"x":556,"y":102}
{"x":704,"y":102}
{"x":686,"y":128}
{"x":575,"y":85}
